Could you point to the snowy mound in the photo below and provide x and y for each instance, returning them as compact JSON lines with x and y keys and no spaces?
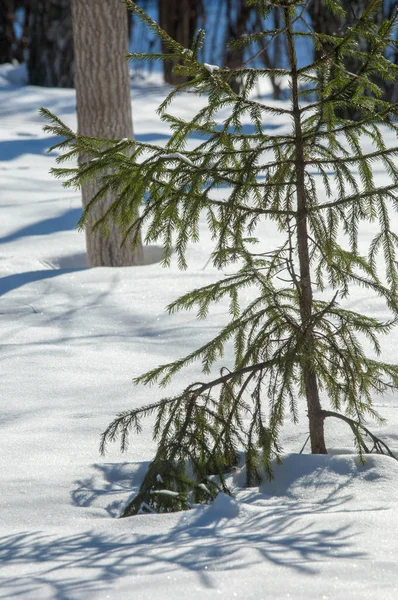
{"x":13,"y":74}
{"x":315,"y":478}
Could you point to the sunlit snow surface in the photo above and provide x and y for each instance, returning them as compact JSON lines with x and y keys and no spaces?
{"x":72,"y":338}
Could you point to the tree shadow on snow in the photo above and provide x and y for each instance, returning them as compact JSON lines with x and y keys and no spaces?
{"x":11,"y":149}
{"x":247,"y":129}
{"x":67,"y":264}
{"x":202,"y":542}
{"x":65,"y":222}
{"x":110,"y":480}
{"x":12,"y":282}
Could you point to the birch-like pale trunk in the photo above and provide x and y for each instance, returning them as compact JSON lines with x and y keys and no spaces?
{"x":103,"y":99}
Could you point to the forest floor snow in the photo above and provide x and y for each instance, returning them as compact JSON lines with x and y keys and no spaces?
{"x":72,"y":338}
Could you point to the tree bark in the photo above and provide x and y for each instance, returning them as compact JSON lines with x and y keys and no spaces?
{"x":51,"y":61}
{"x":6,"y":31}
{"x":7,"y":35}
{"x":179,"y":18}
{"x":315,"y":413}
{"x":103,"y":108}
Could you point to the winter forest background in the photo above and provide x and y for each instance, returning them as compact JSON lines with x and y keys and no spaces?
{"x":40,"y":33}
{"x":73,"y":337}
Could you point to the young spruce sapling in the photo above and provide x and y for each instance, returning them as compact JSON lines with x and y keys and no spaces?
{"x":316,"y":186}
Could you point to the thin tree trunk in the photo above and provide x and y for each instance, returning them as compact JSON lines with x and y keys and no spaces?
{"x":22,"y":47}
{"x":278,"y":54}
{"x":51,"y":44}
{"x":391,"y":86}
{"x":103,"y":108}
{"x":272,"y":63}
{"x":315,"y":415}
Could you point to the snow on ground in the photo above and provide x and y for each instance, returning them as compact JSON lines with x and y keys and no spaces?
{"x":71,"y":340}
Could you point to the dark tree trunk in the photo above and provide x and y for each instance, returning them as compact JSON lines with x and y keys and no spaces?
{"x":179,"y":18}
{"x":275,"y":61}
{"x":325,"y":22}
{"x":392,"y":86}
{"x":236,"y":27}
{"x":7,"y":36}
{"x":278,"y":54}
{"x":51,"y":62}
{"x":103,"y":109}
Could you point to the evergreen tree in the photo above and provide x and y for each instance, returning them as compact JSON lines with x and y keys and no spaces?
{"x":294,"y":340}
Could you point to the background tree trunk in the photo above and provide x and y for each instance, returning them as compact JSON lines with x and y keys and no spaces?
{"x":22,"y":44}
{"x":51,"y":44}
{"x":7,"y":36}
{"x":179,"y":18}
{"x":324,"y":21}
{"x":103,"y":107}
{"x":392,"y":86}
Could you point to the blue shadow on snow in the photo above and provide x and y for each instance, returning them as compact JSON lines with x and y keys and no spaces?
{"x":64,"y":222}
{"x":16,"y":280}
{"x":10,"y":149}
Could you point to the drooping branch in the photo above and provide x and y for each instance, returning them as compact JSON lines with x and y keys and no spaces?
{"x":379,"y":447}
